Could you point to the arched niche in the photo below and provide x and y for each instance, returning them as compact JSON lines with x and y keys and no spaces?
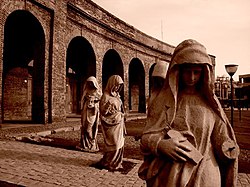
{"x":112,"y":65}
{"x":23,"y":69}
{"x":80,"y":64}
{"x":137,"y":99}
{"x":150,"y":78}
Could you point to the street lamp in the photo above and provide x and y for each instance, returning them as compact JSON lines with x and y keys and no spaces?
{"x":231,"y":69}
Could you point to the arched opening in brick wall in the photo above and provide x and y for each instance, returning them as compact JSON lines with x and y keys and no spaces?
{"x":23,"y":69}
{"x":150,"y":78}
{"x":80,"y":64}
{"x":112,"y":65}
{"x":137,"y":98}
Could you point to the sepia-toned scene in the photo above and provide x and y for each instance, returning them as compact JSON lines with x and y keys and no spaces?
{"x":89,"y":99}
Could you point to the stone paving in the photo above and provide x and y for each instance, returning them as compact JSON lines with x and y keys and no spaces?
{"x":25,"y":164}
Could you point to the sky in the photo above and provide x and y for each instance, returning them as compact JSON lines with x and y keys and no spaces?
{"x":222,"y":26}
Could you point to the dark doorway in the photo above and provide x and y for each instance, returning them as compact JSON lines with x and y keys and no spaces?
{"x":137,"y":99}
{"x":150,"y":78}
{"x":81,"y":64}
{"x":23,"y":69}
{"x":112,"y":65}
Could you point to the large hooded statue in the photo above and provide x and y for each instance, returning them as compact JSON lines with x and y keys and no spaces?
{"x":194,"y":122}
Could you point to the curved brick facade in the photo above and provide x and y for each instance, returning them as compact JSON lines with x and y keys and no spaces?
{"x":58,"y":22}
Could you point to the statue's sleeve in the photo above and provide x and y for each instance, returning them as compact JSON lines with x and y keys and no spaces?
{"x":153,"y":133}
{"x":110,"y":114}
{"x":150,"y":141}
{"x":224,"y":142}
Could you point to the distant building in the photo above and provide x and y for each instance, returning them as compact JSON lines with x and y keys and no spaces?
{"x":245,"y":79}
{"x":244,"y":89}
{"x":222,"y":89}
{"x":241,"y":91}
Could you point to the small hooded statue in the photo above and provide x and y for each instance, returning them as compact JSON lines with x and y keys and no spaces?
{"x":113,"y":126}
{"x":90,"y":115}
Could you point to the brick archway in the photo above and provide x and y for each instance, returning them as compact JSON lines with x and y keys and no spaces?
{"x":80,"y":64}
{"x":137,"y":99}
{"x":23,"y":69}
{"x":112,"y":65}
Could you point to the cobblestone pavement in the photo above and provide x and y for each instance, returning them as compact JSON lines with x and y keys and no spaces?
{"x":26,"y":164}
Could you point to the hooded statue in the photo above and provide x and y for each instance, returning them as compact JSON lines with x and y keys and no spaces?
{"x":158,"y":78}
{"x":197,"y":117}
{"x":90,"y":115}
{"x":113,"y":126}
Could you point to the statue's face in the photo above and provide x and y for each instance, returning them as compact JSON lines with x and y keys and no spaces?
{"x":90,"y":85}
{"x":91,"y":102}
{"x":190,"y":75}
{"x":117,"y":88}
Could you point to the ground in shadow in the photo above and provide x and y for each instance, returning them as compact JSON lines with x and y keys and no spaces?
{"x":127,"y":166}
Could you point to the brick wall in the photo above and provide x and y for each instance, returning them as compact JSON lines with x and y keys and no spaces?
{"x":61,"y":21}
